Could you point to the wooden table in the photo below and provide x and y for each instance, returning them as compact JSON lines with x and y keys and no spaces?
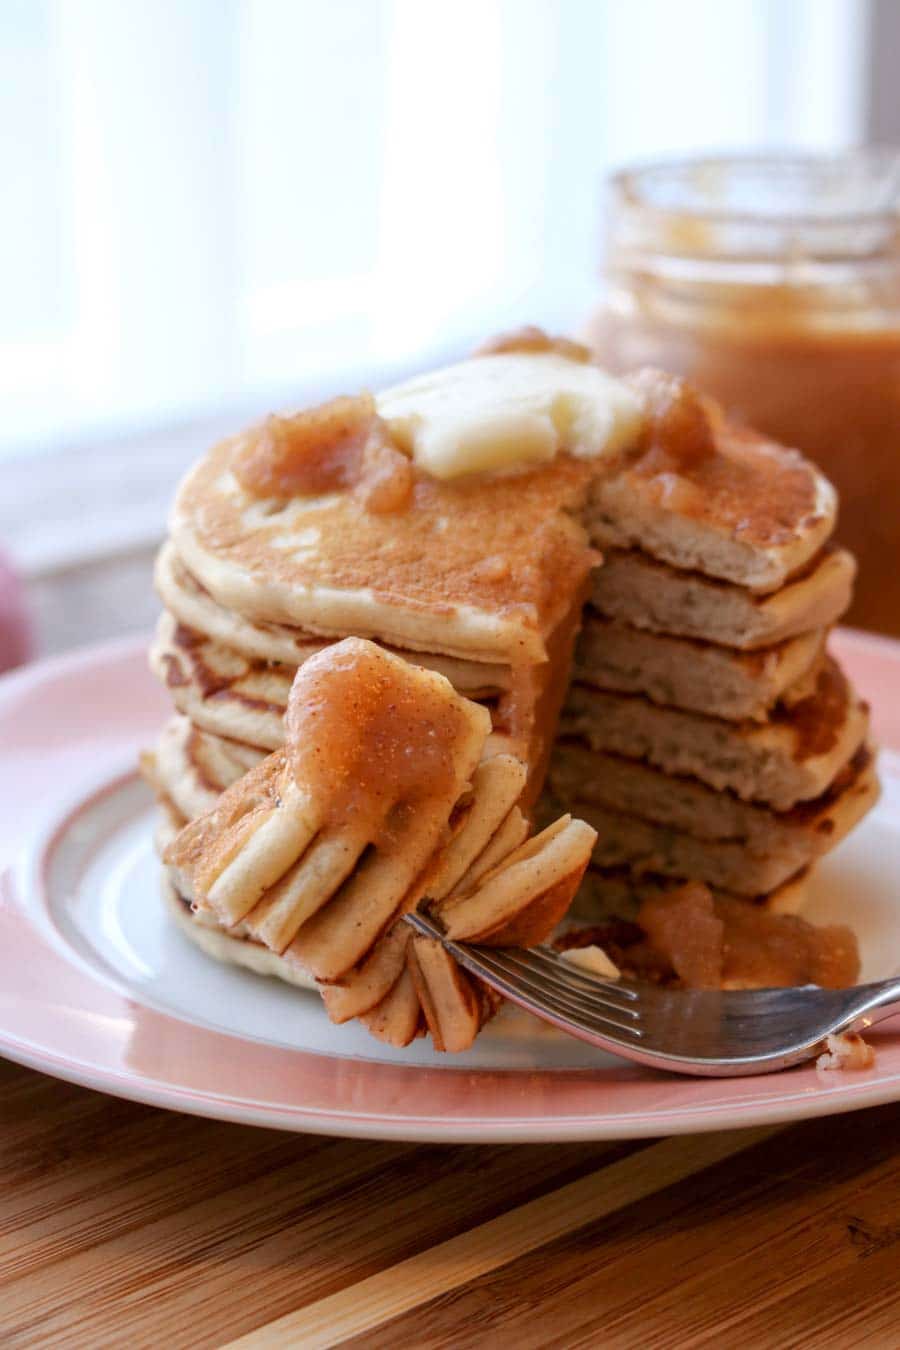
{"x":122,"y":1225}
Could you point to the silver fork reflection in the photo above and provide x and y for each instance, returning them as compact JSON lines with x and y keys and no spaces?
{"x":715,"y":1033}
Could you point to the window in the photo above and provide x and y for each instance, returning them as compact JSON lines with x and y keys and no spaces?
{"x":215,"y":200}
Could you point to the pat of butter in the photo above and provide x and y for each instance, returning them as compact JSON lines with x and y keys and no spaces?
{"x":594,"y":960}
{"x":510,"y":410}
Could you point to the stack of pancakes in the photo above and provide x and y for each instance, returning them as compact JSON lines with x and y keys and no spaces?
{"x":482,"y":582}
{"x":381,"y":797}
{"x":707,"y":733}
{"x":229,"y":674}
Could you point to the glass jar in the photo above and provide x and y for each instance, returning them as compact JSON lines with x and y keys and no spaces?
{"x":774,"y":284}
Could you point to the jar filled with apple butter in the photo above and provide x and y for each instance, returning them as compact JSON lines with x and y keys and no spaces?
{"x":773,"y":284}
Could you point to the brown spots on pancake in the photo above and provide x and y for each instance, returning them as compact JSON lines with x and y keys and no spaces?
{"x":848,"y":778}
{"x":175,"y":676}
{"x":817,"y":721}
{"x":429,"y":556}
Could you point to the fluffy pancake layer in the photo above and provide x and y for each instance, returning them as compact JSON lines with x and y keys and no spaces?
{"x":792,"y":757}
{"x":745,"y":510}
{"x":243,"y":698}
{"x":315,"y":852}
{"x":648,"y":593}
{"x":486,"y":568}
{"x":485,"y":576}
{"x":194,"y":609}
{"x":692,"y":674}
{"x":697,"y":833}
{"x":193,"y":767}
{"x":633,"y":787}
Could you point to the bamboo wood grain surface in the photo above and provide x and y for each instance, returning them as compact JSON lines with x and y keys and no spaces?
{"x":122,"y":1225}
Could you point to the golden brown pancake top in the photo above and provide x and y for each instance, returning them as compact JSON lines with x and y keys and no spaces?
{"x":508,"y":546}
{"x":707,"y":469}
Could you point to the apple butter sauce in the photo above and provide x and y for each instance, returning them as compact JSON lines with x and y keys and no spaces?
{"x":687,"y":939}
{"x":372,"y":737}
{"x":339,"y":445}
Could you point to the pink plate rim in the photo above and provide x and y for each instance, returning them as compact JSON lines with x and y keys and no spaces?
{"x":58,"y":1017}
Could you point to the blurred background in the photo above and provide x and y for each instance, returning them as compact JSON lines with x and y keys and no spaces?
{"x":216,"y":207}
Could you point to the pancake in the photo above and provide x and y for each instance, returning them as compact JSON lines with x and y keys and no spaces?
{"x":243,"y":699}
{"x":454,"y":1005}
{"x":580,"y":776}
{"x":691,"y":674}
{"x":230,"y":946}
{"x":195,"y":610}
{"x":711,"y":497}
{"x":646,"y":593}
{"x":194,"y":767}
{"x":440,"y":996}
{"x":677,"y":827}
{"x":191,"y":768}
{"x":221,"y":691}
{"x":792,"y":757}
{"x":233,"y":946}
{"x":387,"y":999}
{"x":406,"y":982}
{"x":231,"y":695}
{"x":641,"y":846}
{"x":482,"y":566}
{"x":379,"y":754}
{"x":608,"y":892}
{"x":239,"y":699}
{"x":482,"y":575}
{"x":169,"y":819}
{"x":519,"y":902}
{"x":379,"y":799}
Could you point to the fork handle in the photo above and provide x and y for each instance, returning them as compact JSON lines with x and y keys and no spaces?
{"x":882,"y":1000}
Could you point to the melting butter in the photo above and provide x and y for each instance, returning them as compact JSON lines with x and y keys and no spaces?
{"x":510,"y":410}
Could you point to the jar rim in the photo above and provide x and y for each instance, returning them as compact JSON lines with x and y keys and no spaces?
{"x":874,"y":169}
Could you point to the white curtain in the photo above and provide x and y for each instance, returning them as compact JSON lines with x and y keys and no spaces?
{"x":206,"y":200}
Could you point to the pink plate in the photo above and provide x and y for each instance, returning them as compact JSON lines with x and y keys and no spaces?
{"x":97,"y":987}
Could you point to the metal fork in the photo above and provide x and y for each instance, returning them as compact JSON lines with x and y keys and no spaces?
{"x":717,"y":1034}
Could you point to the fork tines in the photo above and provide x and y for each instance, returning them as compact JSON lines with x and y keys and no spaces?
{"x":539,"y":981}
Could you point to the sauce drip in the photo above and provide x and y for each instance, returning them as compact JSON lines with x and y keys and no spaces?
{"x":371,"y":736}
